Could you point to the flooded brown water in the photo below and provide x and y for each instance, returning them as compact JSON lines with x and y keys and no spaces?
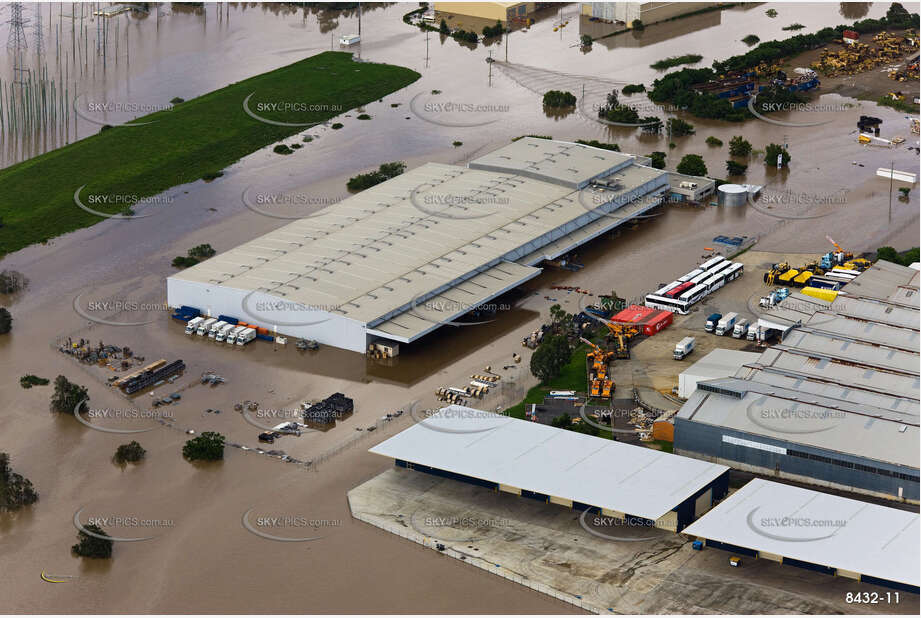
{"x":206,"y":561}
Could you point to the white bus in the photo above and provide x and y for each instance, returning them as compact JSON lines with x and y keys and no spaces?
{"x":735,"y":271}
{"x":712,"y":262}
{"x":691,"y":275}
{"x":666,"y":288}
{"x":694,"y":294}
{"x":675,"y":305}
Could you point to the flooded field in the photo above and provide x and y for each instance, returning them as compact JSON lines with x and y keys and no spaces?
{"x":200,"y":508}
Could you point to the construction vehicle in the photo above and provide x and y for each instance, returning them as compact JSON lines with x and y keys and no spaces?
{"x":846,"y":255}
{"x":802,"y":279}
{"x":775,"y":271}
{"x":599,"y":383}
{"x":788,"y":276}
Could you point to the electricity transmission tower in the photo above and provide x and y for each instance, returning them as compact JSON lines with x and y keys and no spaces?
{"x":16,"y":41}
{"x":38,"y":37}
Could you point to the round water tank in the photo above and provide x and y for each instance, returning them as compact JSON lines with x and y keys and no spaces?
{"x":732,"y":195}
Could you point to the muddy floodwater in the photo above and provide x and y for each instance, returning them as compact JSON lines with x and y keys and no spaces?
{"x":201,"y":557}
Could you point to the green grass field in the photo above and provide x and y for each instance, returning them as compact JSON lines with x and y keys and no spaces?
{"x":195,"y":138}
{"x":571,"y":378}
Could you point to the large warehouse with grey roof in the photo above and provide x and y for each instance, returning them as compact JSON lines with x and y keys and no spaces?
{"x":409,"y":255}
{"x":835,"y":403}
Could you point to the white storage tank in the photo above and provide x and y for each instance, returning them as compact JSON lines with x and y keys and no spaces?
{"x":732,"y":195}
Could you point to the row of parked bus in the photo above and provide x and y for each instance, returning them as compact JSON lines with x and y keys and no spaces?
{"x":679,"y":295}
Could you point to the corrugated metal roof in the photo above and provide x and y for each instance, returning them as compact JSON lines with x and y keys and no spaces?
{"x":530,"y":456}
{"x":817,"y":528}
{"x":428,"y":315}
{"x":800,"y":421}
{"x":567,"y":163}
{"x":371,"y":256}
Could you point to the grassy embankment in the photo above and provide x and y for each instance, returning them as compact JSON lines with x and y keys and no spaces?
{"x":571,"y":378}
{"x":194,"y":139}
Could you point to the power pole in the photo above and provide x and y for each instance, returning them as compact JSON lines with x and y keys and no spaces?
{"x":891,"y":174}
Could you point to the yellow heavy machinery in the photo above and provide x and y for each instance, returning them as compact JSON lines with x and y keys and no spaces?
{"x":600,"y":385}
{"x":776,"y":271}
{"x":847,"y":254}
{"x":787,"y":277}
{"x":802,"y":279}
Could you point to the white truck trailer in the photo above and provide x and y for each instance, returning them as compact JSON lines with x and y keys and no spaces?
{"x":225,"y":330}
{"x":192,"y":325}
{"x":232,"y":335}
{"x":216,"y":328}
{"x":726,"y":323}
{"x":245,"y":336}
{"x":740,"y":329}
{"x":684,"y":347}
{"x":205,"y":326}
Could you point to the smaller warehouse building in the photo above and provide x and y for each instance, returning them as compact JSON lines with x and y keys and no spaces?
{"x":493,"y":11}
{"x":558,"y":466}
{"x":684,"y":188}
{"x":720,"y":363}
{"x":834,"y":404}
{"x":816,"y":531}
{"x":646,"y":12}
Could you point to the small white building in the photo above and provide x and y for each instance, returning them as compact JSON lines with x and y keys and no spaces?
{"x":349,"y":39}
{"x":720,"y":363}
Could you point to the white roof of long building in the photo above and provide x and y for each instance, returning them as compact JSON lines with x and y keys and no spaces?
{"x":844,"y":378}
{"x":383,"y":251}
{"x":557,"y":462}
{"x":817,"y":528}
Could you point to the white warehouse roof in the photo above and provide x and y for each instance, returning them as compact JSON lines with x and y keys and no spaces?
{"x":556,"y":462}
{"x":818,"y":528}
{"x":380,"y":254}
{"x":719,"y":363}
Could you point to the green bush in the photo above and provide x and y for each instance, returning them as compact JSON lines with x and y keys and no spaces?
{"x":29,"y":380}
{"x":209,"y":446}
{"x":614,"y":111}
{"x":658,"y":159}
{"x":364,"y":117}
{"x":132,"y":452}
{"x":772,"y":151}
{"x":638,"y":25}
{"x":586,"y":40}
{"x":735,"y":169}
{"x":336,"y":126}
{"x":679,"y":128}
{"x":558,"y":98}
{"x":282,"y":149}
{"x":209,"y":176}
{"x":633,"y":89}
{"x":739,"y":146}
{"x":674,"y":61}
{"x":90,"y":546}
{"x":550,"y":357}
{"x":794,"y":27}
{"x":692,"y":165}
{"x":751,"y":39}
{"x":67,"y":396}
{"x":491,"y":31}
{"x":16,"y":491}
{"x":6,"y":321}
{"x":177,"y":100}
{"x":386,"y":171}
{"x":596,"y":144}
{"x":714,"y":141}
{"x":904,"y":259}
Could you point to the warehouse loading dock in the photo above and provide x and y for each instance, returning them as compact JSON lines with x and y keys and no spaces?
{"x":550,"y":465}
{"x":816,"y":531}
